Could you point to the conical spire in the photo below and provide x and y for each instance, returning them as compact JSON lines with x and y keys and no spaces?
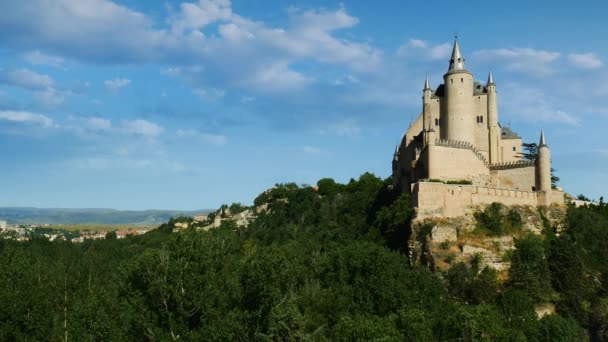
{"x":427,"y":85}
{"x":490,"y":78}
{"x":456,"y":62}
{"x":542,"y":139}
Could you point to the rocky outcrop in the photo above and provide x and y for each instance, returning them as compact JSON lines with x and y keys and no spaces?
{"x":241,"y":219}
{"x":440,"y":242}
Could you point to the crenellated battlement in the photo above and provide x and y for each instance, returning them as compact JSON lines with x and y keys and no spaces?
{"x":512,"y":165}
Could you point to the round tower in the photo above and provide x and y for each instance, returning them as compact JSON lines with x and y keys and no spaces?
{"x":543,"y":165}
{"x":493,"y":128}
{"x":458,"y":112}
{"x":426,"y":105}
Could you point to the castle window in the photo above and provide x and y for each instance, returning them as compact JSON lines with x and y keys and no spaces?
{"x":461,"y":80}
{"x":451,"y":81}
{"x":514,"y":149}
{"x":436,"y":122}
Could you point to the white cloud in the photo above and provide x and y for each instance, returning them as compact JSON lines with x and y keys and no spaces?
{"x":311,"y":150}
{"x":49,"y":98}
{"x":433,"y":52}
{"x":39,"y":58}
{"x":172,"y":72}
{"x":26,"y":78}
{"x":585,"y":60}
{"x":533,"y":105}
{"x":215,"y":139}
{"x":26,"y":117}
{"x":213,"y":94}
{"x":238,"y":48}
{"x":141,"y":127}
{"x":348,"y":79}
{"x":278,"y":77}
{"x":527,"y":60}
{"x":116,"y":84}
{"x":98,"y":30}
{"x":194,"y":16}
{"x":99,"y":123}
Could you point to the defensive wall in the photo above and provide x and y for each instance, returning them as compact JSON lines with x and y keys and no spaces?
{"x":433,"y":199}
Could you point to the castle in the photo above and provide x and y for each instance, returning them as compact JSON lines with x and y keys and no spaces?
{"x":456,"y":154}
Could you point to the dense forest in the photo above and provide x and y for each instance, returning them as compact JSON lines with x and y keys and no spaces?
{"x":323,"y":263}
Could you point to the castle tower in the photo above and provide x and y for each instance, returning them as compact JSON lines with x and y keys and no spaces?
{"x":458,"y":113}
{"x":493,"y":128}
{"x":426,"y":106}
{"x":543,"y":166}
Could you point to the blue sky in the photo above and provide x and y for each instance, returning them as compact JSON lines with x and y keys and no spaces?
{"x":186,"y":105}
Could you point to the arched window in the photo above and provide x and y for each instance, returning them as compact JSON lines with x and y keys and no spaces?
{"x":436,"y":122}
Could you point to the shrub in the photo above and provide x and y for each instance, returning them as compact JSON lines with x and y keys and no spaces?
{"x":491,"y":219}
{"x":514,"y":220}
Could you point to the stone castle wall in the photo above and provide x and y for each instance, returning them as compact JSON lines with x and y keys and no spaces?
{"x":448,"y":200}
{"x":516,"y":177}
{"x":450,"y":163}
{"x":480,"y":103}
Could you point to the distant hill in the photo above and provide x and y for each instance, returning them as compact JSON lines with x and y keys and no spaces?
{"x":26,"y":215}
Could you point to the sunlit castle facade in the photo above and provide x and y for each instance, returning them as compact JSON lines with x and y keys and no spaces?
{"x":458,"y":139}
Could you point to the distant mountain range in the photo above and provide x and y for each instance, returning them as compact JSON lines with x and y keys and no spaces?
{"x":26,"y":215}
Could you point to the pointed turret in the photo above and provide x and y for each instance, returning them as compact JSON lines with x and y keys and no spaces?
{"x":426,"y":104}
{"x":456,"y":61}
{"x":542,"y":139}
{"x":493,"y":129}
{"x":543,"y":166}
{"x":458,"y":121}
{"x":490,"y":78}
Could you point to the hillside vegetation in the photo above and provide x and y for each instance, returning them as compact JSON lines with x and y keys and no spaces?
{"x":324,"y":264}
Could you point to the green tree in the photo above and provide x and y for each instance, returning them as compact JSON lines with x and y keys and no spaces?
{"x":529,"y":269}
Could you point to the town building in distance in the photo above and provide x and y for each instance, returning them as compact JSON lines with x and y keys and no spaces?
{"x":457,"y":155}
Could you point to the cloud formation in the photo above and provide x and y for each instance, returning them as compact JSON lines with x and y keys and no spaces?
{"x":525,"y":60}
{"x":190,"y":38}
{"x":585,"y":60}
{"x":26,"y":78}
{"x":26,"y":117}
{"x":38,"y":58}
{"x":215,"y":139}
{"x":116,"y":84}
{"x":142,"y":128}
{"x":428,"y":50}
